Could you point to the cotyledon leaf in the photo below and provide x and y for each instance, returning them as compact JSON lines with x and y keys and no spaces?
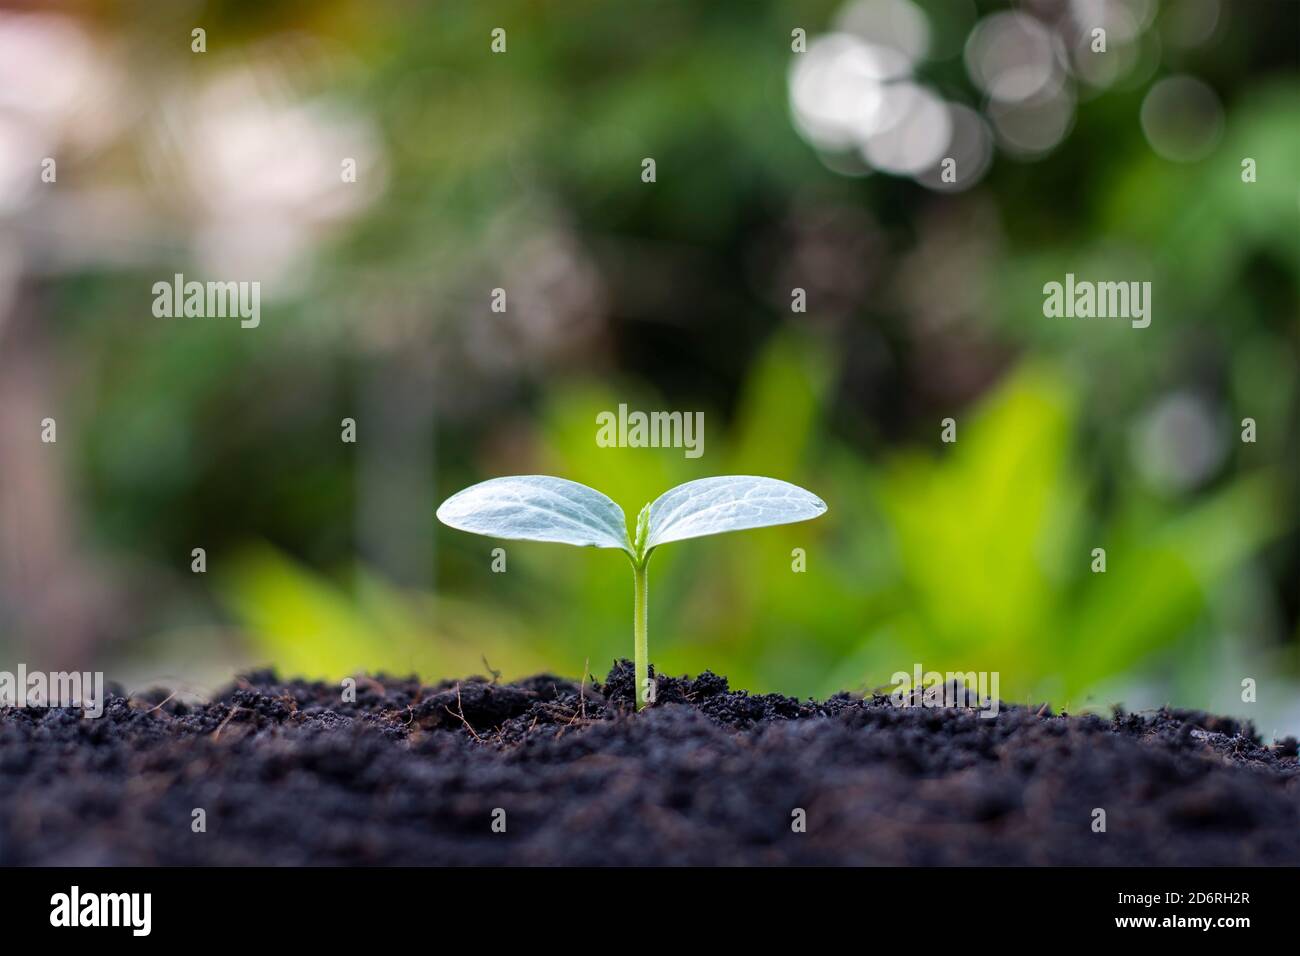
{"x":538,"y":508}
{"x":728,"y":503}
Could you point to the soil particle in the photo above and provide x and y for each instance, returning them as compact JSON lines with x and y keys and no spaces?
{"x":289,"y":773}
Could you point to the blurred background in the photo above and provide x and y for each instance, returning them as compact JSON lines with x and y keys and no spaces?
{"x":775,"y":170}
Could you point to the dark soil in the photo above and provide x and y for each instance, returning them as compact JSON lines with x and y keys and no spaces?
{"x":409,"y":774}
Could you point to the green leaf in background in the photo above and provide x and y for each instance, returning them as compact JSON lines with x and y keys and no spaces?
{"x":304,"y":624}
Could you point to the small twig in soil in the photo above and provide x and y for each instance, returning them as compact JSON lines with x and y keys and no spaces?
{"x":582,"y":689}
{"x":373,"y":684}
{"x":581,"y":712}
{"x":161,"y":702}
{"x":460,"y":713}
{"x":233,"y":710}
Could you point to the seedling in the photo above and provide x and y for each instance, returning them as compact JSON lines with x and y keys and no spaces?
{"x":542,"y":508}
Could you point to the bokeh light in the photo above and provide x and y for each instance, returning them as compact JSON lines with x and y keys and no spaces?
{"x":1182,"y":119}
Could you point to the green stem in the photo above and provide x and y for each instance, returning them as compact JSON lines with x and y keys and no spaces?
{"x":641,"y":600}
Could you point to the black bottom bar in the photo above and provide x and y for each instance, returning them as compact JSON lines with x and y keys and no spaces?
{"x":302,"y":905}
